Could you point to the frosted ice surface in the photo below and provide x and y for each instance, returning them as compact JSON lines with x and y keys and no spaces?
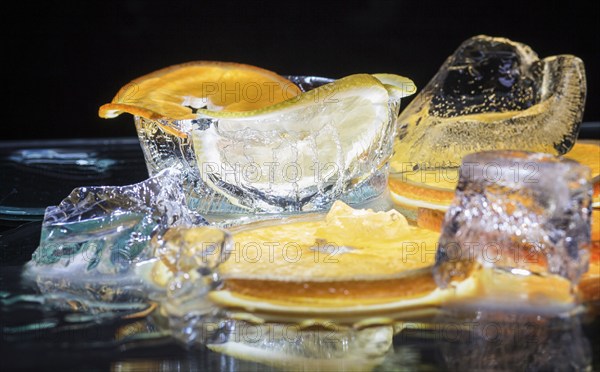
{"x":92,"y":241}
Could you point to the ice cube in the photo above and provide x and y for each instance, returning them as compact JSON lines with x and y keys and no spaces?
{"x":519,"y":212}
{"x":94,"y":240}
{"x":492,"y":93}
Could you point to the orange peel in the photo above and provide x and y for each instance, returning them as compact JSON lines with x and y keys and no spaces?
{"x":173,"y":92}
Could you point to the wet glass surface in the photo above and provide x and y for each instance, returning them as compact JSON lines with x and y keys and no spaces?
{"x":36,"y":174}
{"x":56,"y":333}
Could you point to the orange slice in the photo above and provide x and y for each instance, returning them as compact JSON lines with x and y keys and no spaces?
{"x":176,"y":92}
{"x":431,"y":190}
{"x":589,"y":285}
{"x":350,"y":266}
{"x":588,"y":153}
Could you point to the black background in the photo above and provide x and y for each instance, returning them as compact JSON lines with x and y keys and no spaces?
{"x":62,"y":60}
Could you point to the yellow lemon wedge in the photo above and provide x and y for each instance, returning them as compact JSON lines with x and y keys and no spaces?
{"x":333,"y":133}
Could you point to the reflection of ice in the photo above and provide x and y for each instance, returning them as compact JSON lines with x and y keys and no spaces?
{"x":492,"y":93}
{"x":524,"y":213}
{"x":96,"y":238}
{"x":509,"y":342}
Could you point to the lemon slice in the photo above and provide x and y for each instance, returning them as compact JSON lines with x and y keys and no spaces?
{"x":339,"y":248}
{"x":589,"y":284}
{"x":332,"y":266}
{"x":175,"y":92}
{"x":398,"y":86}
{"x":321,"y":138}
{"x":358,"y":267}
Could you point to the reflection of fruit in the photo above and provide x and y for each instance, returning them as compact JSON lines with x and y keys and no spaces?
{"x":292,"y":348}
{"x":175,"y":92}
{"x":433,"y":189}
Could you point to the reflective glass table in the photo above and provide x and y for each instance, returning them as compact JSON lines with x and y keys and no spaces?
{"x":37,"y":334}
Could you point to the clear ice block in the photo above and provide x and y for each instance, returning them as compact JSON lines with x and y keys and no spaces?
{"x":235,"y":165}
{"x":520,"y":212}
{"x":97,"y":240}
{"x":492,"y":94}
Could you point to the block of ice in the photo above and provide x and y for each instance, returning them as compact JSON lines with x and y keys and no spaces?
{"x":525,"y":213}
{"x":492,"y":93}
{"x":96,"y":239}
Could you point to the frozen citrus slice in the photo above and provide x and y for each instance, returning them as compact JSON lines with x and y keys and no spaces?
{"x":433,"y":189}
{"x":587,"y":153}
{"x":328,"y":135}
{"x":360,"y":267}
{"x":176,"y":92}
{"x":351,"y":266}
{"x":341,"y":247}
{"x":429,"y":189}
{"x":353,"y":261}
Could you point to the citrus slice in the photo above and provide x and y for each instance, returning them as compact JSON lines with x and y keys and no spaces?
{"x":398,"y":86}
{"x":339,"y":248}
{"x":417,"y":193}
{"x":331,"y":136}
{"x":176,"y":92}
{"x":589,"y":285}
{"x":587,"y":152}
{"x":331,"y":265}
{"x":355,"y":266}
{"x":423,"y":189}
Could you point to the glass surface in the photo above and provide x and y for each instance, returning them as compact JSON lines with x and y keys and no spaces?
{"x":36,"y":174}
{"x":130,"y":337}
{"x":71,"y":333}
